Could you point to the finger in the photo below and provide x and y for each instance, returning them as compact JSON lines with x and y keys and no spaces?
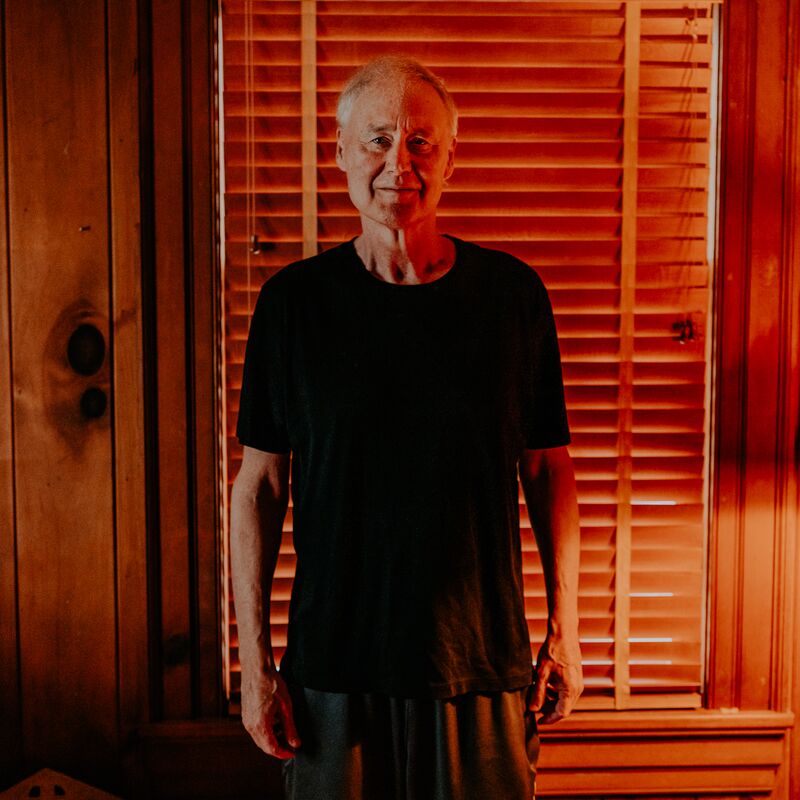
{"x":549,"y":719}
{"x":561,"y":706}
{"x":548,"y":708}
{"x":271,"y":746}
{"x":564,"y":703}
{"x":542,"y":675}
{"x":569,"y":692}
{"x":288,"y":722}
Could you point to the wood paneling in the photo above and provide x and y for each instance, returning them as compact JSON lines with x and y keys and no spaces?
{"x":63,"y":467}
{"x":203,"y":760}
{"x":10,"y":719}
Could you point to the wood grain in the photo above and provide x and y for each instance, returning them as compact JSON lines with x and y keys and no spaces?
{"x":10,"y":719}
{"x":59,"y":256}
{"x":128,"y":394}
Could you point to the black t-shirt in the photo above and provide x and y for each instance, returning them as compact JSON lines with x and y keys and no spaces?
{"x":406,"y":408}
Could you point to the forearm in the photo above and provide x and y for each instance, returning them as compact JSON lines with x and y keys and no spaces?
{"x":548,"y":482}
{"x":257,"y":514}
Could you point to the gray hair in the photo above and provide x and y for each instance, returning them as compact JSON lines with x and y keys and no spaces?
{"x":388,"y":68}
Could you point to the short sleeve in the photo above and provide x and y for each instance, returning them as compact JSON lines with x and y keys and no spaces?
{"x":545,"y":414}
{"x":262,"y":403}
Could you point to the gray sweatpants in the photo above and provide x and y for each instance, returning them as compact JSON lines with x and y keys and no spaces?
{"x":476,"y":746}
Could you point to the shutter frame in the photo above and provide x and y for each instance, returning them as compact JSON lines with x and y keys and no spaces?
{"x":565,"y":156}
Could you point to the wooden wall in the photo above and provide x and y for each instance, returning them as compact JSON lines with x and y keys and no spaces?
{"x":109,"y":596}
{"x":71,"y":440}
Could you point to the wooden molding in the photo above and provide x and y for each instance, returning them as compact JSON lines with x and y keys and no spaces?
{"x":185,"y":565}
{"x":749,"y":540}
{"x":730,"y":358}
{"x":128,"y":377}
{"x":788,"y":689}
{"x":205,"y":303}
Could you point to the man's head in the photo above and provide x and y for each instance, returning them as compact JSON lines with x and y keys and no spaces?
{"x":396,"y":140}
{"x":394,"y":69}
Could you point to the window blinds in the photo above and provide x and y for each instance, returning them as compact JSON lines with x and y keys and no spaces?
{"x":585,"y":149}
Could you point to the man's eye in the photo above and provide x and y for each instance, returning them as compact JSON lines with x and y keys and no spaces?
{"x":381,"y":140}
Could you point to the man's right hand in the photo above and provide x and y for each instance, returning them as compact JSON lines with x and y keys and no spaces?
{"x":267,"y":714}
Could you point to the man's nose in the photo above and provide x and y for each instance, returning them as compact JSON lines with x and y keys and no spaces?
{"x":398,"y":159}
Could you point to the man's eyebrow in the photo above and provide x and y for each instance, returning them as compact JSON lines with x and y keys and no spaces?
{"x":384,"y":127}
{"x":380,"y":127}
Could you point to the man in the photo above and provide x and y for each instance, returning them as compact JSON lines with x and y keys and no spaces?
{"x":412,"y":376}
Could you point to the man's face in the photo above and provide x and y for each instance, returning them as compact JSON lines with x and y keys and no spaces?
{"x":397,"y":150}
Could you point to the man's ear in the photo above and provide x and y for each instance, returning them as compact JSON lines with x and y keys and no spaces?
{"x":451,"y":159}
{"x":339,"y":153}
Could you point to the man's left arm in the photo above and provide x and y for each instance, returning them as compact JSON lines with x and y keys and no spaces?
{"x":548,"y":482}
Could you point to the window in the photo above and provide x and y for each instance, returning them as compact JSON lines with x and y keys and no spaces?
{"x":586,"y":149}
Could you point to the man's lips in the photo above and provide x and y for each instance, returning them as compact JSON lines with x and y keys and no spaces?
{"x":401,"y":194}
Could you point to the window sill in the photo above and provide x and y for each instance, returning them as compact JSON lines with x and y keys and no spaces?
{"x":670,"y":722}
{"x":672,"y":753}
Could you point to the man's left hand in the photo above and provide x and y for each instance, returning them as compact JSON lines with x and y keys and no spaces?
{"x":559,"y":678}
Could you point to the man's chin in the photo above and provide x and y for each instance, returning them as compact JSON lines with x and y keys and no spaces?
{"x":396,"y":216}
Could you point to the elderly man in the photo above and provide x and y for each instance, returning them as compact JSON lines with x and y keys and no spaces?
{"x":414,"y":378}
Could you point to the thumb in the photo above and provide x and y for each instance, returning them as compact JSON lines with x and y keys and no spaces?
{"x":288,"y":724}
{"x":542,"y":674}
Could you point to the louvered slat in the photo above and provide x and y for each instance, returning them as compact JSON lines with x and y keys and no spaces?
{"x":539,"y":174}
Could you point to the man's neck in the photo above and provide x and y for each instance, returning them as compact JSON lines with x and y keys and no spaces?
{"x":409,"y":256}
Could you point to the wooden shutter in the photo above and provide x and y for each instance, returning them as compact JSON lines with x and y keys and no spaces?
{"x":584,"y":149}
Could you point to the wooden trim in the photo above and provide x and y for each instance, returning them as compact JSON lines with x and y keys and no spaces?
{"x":788,"y":689}
{"x":761,"y":641}
{"x":202,"y":258}
{"x":748,"y":539}
{"x":128,"y":374}
{"x":627,"y":300}
{"x":171,"y":331}
{"x":724,"y":642}
{"x":181,"y":223}
{"x":10,"y":710}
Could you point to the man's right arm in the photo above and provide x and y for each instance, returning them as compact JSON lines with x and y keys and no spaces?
{"x":259,"y":499}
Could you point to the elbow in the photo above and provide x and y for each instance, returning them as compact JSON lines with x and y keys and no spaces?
{"x":539,"y":466}
{"x":256,"y":494}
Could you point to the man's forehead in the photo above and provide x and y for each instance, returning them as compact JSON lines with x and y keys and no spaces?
{"x":415,"y":104}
